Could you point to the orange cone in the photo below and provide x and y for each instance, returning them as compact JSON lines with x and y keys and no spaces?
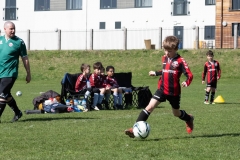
{"x":219,"y":99}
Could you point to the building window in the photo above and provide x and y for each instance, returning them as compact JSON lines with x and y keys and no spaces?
{"x":209,"y":32}
{"x":117,"y":25}
{"x":107,"y":4}
{"x":180,"y":7}
{"x":143,"y":3}
{"x":235,"y":4}
{"x":238,"y":29}
{"x":74,"y":4}
{"x":102,"y":25}
{"x":42,"y":5}
{"x":210,"y":2}
{"x":10,"y":10}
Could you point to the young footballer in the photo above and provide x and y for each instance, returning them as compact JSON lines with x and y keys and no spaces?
{"x":213,"y":72}
{"x":169,"y":87}
{"x":112,"y":85}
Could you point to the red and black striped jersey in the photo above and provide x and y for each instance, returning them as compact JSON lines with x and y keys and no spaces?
{"x":171,"y":72}
{"x":111,"y":82}
{"x":97,"y":81}
{"x":81,"y":83}
{"x":212,"y":70}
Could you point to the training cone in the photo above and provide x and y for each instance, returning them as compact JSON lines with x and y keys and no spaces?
{"x":219,"y":99}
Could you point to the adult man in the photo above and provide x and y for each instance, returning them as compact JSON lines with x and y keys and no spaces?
{"x":11,"y":47}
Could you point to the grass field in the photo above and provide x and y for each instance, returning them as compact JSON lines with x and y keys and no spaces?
{"x":100,"y":135}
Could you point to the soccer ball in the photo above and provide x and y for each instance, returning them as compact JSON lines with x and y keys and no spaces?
{"x":19,"y":93}
{"x":141,"y":129}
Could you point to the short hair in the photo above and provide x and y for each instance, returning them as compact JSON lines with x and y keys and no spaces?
{"x":209,"y":53}
{"x":84,"y":67}
{"x":171,"y":42}
{"x":109,"y":67}
{"x":97,"y":65}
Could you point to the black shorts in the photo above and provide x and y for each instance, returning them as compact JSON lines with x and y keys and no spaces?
{"x":173,"y":100}
{"x":6,"y":85}
{"x":212,"y":84}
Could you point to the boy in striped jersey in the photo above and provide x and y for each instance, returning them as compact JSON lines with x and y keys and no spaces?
{"x":169,"y":87}
{"x":213,"y":72}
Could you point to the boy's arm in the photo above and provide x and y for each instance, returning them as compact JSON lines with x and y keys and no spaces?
{"x":155,"y":73}
{"x":187,"y":72}
{"x":91,"y":79}
{"x":218,"y":72}
{"x":204,"y":72}
{"x":77,"y":84}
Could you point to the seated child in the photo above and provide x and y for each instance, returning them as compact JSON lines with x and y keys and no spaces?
{"x":97,"y":84}
{"x":112,"y":85}
{"x":81,"y":82}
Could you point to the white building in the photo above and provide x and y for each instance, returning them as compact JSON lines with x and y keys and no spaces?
{"x":78,"y":19}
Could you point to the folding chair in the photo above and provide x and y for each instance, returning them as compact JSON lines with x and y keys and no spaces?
{"x":68,"y":88}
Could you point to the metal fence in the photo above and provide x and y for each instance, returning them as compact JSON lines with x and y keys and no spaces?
{"x":124,"y":39}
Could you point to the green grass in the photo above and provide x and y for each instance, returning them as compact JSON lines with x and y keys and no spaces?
{"x":100,"y":135}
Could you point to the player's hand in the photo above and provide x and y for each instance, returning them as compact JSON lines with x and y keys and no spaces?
{"x":184,"y":84}
{"x":218,"y":77}
{"x":28,"y":78}
{"x":203,"y":82}
{"x":152,"y":73}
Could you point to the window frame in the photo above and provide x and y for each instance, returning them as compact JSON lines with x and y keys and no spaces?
{"x":10,"y":10}
{"x":110,"y":6}
{"x":141,"y":4}
{"x":210,"y":29}
{"x":72,"y":6}
{"x":185,"y":11}
{"x":102,"y":25}
{"x":234,"y":3}
{"x":209,"y":4}
{"x":238,"y":29}
{"x":117,"y":23}
{"x":46,"y":5}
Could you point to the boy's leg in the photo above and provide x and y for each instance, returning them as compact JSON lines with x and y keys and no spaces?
{"x":207,"y":95}
{"x":144,"y":114}
{"x":95,"y":101}
{"x":175,"y":103}
{"x":115,"y":98}
{"x":213,"y":89}
{"x":120,"y":98}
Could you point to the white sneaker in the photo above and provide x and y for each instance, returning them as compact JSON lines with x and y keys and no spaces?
{"x":96,"y":108}
{"x":206,"y":102}
{"x":85,"y":110}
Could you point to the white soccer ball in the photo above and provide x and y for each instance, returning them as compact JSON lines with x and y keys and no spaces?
{"x":141,"y":129}
{"x":19,"y":93}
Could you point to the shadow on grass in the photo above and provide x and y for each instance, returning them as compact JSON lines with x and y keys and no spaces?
{"x":200,"y":136}
{"x":52,"y":118}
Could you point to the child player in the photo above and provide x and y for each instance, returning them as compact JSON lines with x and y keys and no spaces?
{"x":112,"y":85}
{"x":168,"y":85}
{"x":97,"y":86}
{"x":82,"y":79}
{"x":213,"y":72}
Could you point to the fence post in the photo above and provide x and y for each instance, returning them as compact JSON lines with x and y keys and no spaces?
{"x":125,"y":38}
{"x":197,"y":37}
{"x":91,"y":39}
{"x":160,"y":38}
{"x":0,"y":32}
{"x":59,"y":39}
{"x":235,"y":36}
{"x":28,"y":39}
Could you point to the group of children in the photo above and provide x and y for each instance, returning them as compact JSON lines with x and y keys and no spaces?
{"x":100,"y":85}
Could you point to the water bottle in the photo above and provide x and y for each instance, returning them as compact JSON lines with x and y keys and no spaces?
{"x":88,"y":84}
{"x":75,"y":102}
{"x":84,"y":103}
{"x":68,"y":102}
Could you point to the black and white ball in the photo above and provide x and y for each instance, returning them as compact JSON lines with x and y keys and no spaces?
{"x":141,"y":129}
{"x":19,"y":93}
